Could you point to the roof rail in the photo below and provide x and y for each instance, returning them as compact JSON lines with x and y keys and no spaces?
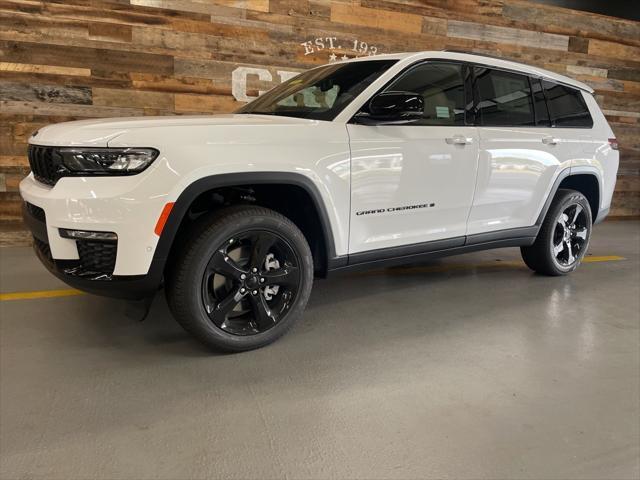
{"x":466,"y":52}
{"x":555,"y":77}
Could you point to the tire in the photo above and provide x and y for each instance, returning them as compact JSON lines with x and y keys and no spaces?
{"x":242,"y":279}
{"x":564,"y":236}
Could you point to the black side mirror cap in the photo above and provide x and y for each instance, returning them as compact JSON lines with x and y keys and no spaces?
{"x":393,"y":108}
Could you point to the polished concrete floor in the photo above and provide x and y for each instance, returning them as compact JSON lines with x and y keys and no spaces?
{"x":471,"y":367}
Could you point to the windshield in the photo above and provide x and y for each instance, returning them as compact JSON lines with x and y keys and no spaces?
{"x":321,"y":93}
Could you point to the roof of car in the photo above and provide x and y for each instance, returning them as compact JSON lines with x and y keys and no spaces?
{"x":479,"y":59}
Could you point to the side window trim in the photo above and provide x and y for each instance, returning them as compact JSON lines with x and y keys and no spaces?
{"x":533,"y":101}
{"x":546,"y":102}
{"x":470,"y":98}
{"x":552,"y":123}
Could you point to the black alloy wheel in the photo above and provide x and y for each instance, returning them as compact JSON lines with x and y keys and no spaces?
{"x":240,"y":277}
{"x":250,"y":282}
{"x":563,"y":238}
{"x":570,"y":235}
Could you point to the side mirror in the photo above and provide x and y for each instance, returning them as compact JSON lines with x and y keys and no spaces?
{"x":393,"y":108}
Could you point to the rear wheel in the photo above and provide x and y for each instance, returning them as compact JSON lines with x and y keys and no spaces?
{"x":242,"y":280}
{"x":564,"y":236}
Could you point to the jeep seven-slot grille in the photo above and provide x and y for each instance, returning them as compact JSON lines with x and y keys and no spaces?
{"x":97,"y":257}
{"x":44,"y":162}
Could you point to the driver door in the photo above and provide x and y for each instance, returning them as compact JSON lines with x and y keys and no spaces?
{"x":414,"y":183}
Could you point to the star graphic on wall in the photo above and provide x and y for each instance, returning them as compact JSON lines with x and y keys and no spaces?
{"x":333,"y":57}
{"x":344,"y":57}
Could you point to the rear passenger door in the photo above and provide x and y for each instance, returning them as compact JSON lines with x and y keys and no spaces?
{"x":520,"y":152}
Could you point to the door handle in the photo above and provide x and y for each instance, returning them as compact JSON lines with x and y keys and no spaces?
{"x":458,"y":140}
{"x":550,"y":140}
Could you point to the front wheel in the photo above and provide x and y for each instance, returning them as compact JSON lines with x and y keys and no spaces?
{"x":564,"y":235}
{"x":242,"y":280}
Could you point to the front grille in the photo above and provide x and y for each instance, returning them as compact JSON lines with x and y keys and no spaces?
{"x":36,"y":211}
{"x":97,"y":257}
{"x":45,"y":164}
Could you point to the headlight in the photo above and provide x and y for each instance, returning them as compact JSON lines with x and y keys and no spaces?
{"x":112,"y":161}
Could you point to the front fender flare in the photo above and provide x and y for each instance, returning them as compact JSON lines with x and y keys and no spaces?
{"x":202,"y":185}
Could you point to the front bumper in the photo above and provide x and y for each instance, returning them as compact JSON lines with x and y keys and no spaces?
{"x":126,"y":206}
{"x":72,"y":272}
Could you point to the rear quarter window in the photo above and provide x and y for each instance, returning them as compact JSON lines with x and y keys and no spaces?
{"x":567,"y":107}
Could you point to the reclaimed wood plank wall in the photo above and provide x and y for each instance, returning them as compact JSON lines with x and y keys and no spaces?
{"x":64,"y":60}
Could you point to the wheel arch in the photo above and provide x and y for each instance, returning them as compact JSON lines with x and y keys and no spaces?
{"x":587,"y":184}
{"x":175,"y":223}
{"x":585,"y":181}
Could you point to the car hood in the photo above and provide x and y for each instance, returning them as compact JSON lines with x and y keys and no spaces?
{"x":98,"y":133}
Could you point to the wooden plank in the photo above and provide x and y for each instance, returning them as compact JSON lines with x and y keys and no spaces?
{"x":570,"y":22}
{"x":578,"y":44}
{"x":33,"y":108}
{"x":110,"y":32}
{"x":628,"y":135}
{"x":613,"y":49}
{"x":11,"y":181}
{"x":195,"y":6}
{"x":44,"y":93}
{"x":14,"y":234}
{"x":582,"y":70}
{"x":468,"y":10}
{"x":169,"y":39}
{"x":8,"y":163}
{"x":10,"y":206}
{"x":111,"y":97}
{"x":189,"y":103}
{"x":176,"y":84}
{"x":46,"y":69}
{"x":434,"y":26}
{"x":355,"y":15}
{"x":35,"y":53}
{"x":628,"y":183}
{"x":632,"y":74}
{"x":622,"y":101}
{"x":490,"y":33}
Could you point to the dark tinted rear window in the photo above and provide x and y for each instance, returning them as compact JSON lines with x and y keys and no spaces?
{"x":566,"y":106}
{"x":504,"y":98}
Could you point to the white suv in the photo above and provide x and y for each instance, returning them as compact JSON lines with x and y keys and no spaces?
{"x":374,"y":161}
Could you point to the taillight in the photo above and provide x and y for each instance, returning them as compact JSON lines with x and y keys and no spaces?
{"x":613,"y":143}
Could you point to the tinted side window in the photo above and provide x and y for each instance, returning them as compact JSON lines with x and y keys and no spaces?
{"x":540,"y":103}
{"x":566,"y":106}
{"x":504,"y":98}
{"x":442,"y":87}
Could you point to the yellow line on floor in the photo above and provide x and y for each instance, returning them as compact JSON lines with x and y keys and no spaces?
{"x":38,"y":294}
{"x":427,"y":269}
{"x":603,"y":258}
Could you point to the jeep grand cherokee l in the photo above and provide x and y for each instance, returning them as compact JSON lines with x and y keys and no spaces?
{"x":374,"y":161}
